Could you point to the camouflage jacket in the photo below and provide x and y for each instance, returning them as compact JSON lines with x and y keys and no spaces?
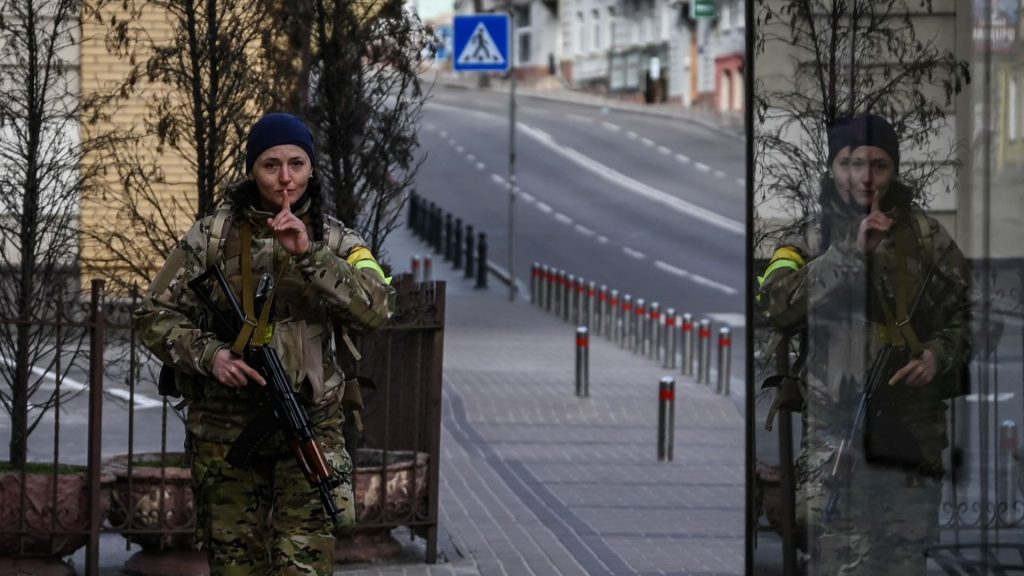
{"x":327,"y":283}
{"x":836,"y":298}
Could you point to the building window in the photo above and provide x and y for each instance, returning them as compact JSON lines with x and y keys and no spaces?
{"x":725,"y":17}
{"x":611,"y":27}
{"x":597,"y":30}
{"x":581,"y":29}
{"x":524,"y":55}
{"x":1011,"y":109}
{"x":739,"y":15}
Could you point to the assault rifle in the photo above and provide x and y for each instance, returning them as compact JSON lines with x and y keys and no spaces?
{"x":280,"y":405}
{"x":886,"y":363}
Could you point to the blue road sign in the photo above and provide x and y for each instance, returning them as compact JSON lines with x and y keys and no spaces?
{"x":482,"y":42}
{"x":444,"y":42}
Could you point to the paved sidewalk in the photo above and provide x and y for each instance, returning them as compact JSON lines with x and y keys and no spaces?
{"x":535,"y":481}
{"x":552,"y":89}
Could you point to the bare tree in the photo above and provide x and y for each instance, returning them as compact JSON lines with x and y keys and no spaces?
{"x":851,"y":57}
{"x":214,"y":83}
{"x":42,"y":180}
{"x":360,"y":87}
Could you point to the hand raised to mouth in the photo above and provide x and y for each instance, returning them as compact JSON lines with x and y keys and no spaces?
{"x":289,"y":230}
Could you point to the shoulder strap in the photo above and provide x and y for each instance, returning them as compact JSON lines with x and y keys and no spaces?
{"x":218,"y":232}
{"x":923,"y":232}
{"x":335,"y":234}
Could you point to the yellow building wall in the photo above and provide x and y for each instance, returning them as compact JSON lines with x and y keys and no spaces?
{"x":101,"y":71}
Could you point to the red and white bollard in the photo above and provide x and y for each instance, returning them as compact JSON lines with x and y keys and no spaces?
{"x":724,"y":358}
{"x":626,"y":334}
{"x":428,"y":268}
{"x":704,"y":352}
{"x":654,"y":337}
{"x":666,"y":418}
{"x":670,"y":339}
{"x":582,"y":362}
{"x":416,"y":268}
{"x":616,"y":317}
{"x":641,"y":326}
{"x":571,"y":312}
{"x":686,"y":344}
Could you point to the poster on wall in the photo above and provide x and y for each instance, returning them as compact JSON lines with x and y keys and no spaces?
{"x":996,"y":23}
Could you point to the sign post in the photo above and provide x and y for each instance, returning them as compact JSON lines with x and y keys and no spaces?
{"x":483,"y":43}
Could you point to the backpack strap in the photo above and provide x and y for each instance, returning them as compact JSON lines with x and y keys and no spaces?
{"x":218,"y":232}
{"x":923,"y":232}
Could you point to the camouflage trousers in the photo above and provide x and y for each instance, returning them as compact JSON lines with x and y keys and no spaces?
{"x":268,"y":520}
{"x":884,"y":522}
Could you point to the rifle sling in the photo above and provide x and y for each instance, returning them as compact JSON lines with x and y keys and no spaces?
{"x":254,"y":331}
{"x":255,"y":433}
{"x":900,"y":331}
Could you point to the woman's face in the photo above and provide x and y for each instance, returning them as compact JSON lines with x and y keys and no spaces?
{"x":281,"y":172}
{"x":841,"y":173}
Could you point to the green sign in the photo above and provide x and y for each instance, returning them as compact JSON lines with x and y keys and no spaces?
{"x":703,"y":8}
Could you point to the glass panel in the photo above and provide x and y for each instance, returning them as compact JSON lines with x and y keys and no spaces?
{"x":889,"y":241}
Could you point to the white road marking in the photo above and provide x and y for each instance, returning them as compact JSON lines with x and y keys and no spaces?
{"x":1001,"y":397}
{"x":580,"y":117}
{"x":610,"y":126}
{"x":460,"y":149}
{"x":694,"y":277}
{"x":653,"y":194}
{"x":731,"y":319}
{"x":544,"y":208}
{"x":498,"y":180}
{"x":526,"y":197}
{"x":741,"y":181}
{"x":647,"y":142}
{"x":584,"y":230}
{"x":664,"y":150}
{"x":70,"y":384}
{"x":702,"y":167}
{"x":563,"y":218}
{"x":631,"y":135}
{"x":719,"y":174}
{"x":633,"y":253}
{"x":481,"y":166}
{"x":443,"y":133}
{"x":451,"y":142}
{"x":683,"y":159}
{"x":471,"y":157}
{"x":430,"y":126}
{"x":602,"y":239}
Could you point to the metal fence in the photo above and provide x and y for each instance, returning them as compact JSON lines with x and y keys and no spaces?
{"x":112,"y":449}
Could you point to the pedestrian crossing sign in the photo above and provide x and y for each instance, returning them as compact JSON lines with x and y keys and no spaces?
{"x":481,"y":42}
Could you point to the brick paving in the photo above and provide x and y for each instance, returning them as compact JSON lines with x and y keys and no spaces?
{"x":535,"y":481}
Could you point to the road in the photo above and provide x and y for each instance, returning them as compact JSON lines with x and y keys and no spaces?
{"x":651,"y":207}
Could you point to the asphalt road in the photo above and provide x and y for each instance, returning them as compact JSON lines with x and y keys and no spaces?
{"x":654,"y":208}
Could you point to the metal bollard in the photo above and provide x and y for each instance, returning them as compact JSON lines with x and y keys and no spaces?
{"x":724,"y":359}
{"x":591,"y":289}
{"x":603,"y":310}
{"x":416,"y":268}
{"x":640,"y":330}
{"x":704,"y":352}
{"x":666,"y":417}
{"x":559,"y":290}
{"x":548,"y":287}
{"x":457,"y":257}
{"x":568,"y":295}
{"x":428,"y":223}
{"x":627,"y":322}
{"x":613,"y":321}
{"x":428,"y":269}
{"x":481,"y":263}
{"x":1007,"y":484}
{"x":686,"y":344}
{"x":573,"y":314}
{"x":410,"y":220}
{"x":448,"y":237}
{"x":535,"y":284}
{"x":470,"y":263}
{"x":654,"y":338}
{"x":435,"y":230}
{"x":582,"y":362}
{"x":670,"y":338}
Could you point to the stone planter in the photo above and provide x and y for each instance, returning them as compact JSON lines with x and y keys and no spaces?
{"x":386,"y":497}
{"x":154,"y":508}
{"x":57,"y":523}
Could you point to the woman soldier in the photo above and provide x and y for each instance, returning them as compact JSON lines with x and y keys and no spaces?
{"x":265,"y":518}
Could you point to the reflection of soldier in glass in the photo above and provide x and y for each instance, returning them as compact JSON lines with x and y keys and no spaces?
{"x":853,"y":300}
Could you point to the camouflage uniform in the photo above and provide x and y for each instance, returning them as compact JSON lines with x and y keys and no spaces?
{"x":888,"y":513}
{"x":267,"y":519}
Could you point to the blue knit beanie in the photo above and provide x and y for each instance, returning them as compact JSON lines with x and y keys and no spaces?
{"x":276,"y":129}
